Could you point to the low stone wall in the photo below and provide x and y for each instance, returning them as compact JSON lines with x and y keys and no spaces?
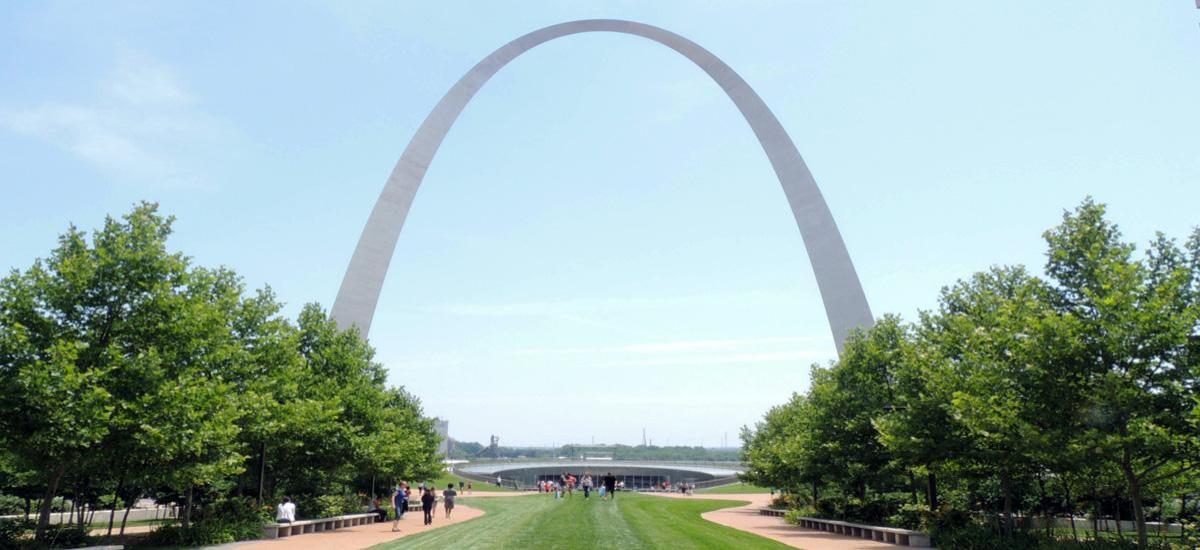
{"x":302,"y":527}
{"x":903,"y":537}
{"x":135,"y":514}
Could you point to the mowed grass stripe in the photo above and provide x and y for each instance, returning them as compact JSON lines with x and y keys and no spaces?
{"x":679,"y":525}
{"x":632,"y":521}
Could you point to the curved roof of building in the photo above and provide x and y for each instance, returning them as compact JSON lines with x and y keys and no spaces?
{"x":493,"y":468}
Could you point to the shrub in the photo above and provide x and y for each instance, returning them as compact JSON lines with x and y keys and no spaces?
{"x":331,"y":505}
{"x":828,"y":508}
{"x":235,"y":510}
{"x":910,"y":516}
{"x":12,"y":531}
{"x":785,"y":500}
{"x":220,"y":522}
{"x":948,"y":519}
{"x":197,"y":534}
{"x":11,"y":505}
{"x":974,"y":536}
{"x":64,"y":536}
{"x":793,"y":516}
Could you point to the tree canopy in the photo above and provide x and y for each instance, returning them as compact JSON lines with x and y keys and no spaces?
{"x":1017,"y":393}
{"x":125,"y":368}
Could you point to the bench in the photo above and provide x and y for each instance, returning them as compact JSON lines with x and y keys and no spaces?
{"x":277,"y":530}
{"x":903,"y":537}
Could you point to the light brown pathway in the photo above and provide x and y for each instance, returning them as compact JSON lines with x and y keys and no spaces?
{"x":365,"y":536}
{"x":747,"y":518}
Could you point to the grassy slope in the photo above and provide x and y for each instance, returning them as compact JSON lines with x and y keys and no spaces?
{"x":735,"y":489}
{"x":632,"y":521}
{"x":446,"y":478}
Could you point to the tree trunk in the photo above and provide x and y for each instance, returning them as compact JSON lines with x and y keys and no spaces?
{"x":1120,"y":533}
{"x":262,"y":470}
{"x":932,"y":490}
{"x":1008,"y":513}
{"x":1139,"y":512}
{"x":125,"y":517}
{"x":112,"y":514}
{"x":1070,"y":506}
{"x":48,"y":499}
{"x":187,"y":512}
{"x":1042,"y":504}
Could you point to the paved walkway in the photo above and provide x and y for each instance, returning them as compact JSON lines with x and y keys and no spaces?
{"x":365,"y":536}
{"x":747,"y":518}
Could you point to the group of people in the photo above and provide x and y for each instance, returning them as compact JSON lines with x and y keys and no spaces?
{"x":285,"y":512}
{"x":428,"y":499}
{"x":564,"y":486}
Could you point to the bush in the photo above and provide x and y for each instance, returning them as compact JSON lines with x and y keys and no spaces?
{"x":12,"y":531}
{"x":875,"y":511}
{"x":326,"y":506}
{"x":785,"y":501}
{"x":64,"y":536}
{"x":197,"y":534}
{"x":235,"y":510}
{"x":948,"y":519}
{"x":974,"y":536}
{"x":11,"y":505}
{"x":828,"y":508}
{"x":220,"y":522}
{"x":910,"y":516}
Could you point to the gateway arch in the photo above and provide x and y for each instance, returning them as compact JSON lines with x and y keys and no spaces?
{"x":845,"y":303}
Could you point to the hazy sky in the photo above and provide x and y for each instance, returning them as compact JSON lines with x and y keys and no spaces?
{"x":600,"y":245}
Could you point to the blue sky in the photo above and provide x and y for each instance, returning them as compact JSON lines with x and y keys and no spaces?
{"x":600,"y":245}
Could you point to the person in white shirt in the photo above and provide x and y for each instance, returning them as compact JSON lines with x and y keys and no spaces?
{"x":286,"y":513}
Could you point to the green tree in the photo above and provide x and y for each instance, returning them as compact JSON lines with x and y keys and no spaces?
{"x":1004,"y":361}
{"x":1138,"y":326}
{"x":778,"y":452}
{"x":860,"y":389}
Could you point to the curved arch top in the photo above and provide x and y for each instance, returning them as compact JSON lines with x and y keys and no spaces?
{"x":845,"y":303}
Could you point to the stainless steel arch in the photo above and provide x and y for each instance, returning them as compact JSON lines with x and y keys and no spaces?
{"x":845,"y":303}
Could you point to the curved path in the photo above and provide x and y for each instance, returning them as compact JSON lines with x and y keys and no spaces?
{"x":365,"y":536}
{"x":746,"y":518}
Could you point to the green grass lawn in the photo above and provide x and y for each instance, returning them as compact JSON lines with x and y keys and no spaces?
{"x":736,"y":488}
{"x":447,"y":478}
{"x":632,"y":521}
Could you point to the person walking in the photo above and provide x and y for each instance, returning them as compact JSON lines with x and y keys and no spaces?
{"x":587,"y":484}
{"x":448,"y":499}
{"x":610,"y":485}
{"x":427,"y":501}
{"x":399,"y":504}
